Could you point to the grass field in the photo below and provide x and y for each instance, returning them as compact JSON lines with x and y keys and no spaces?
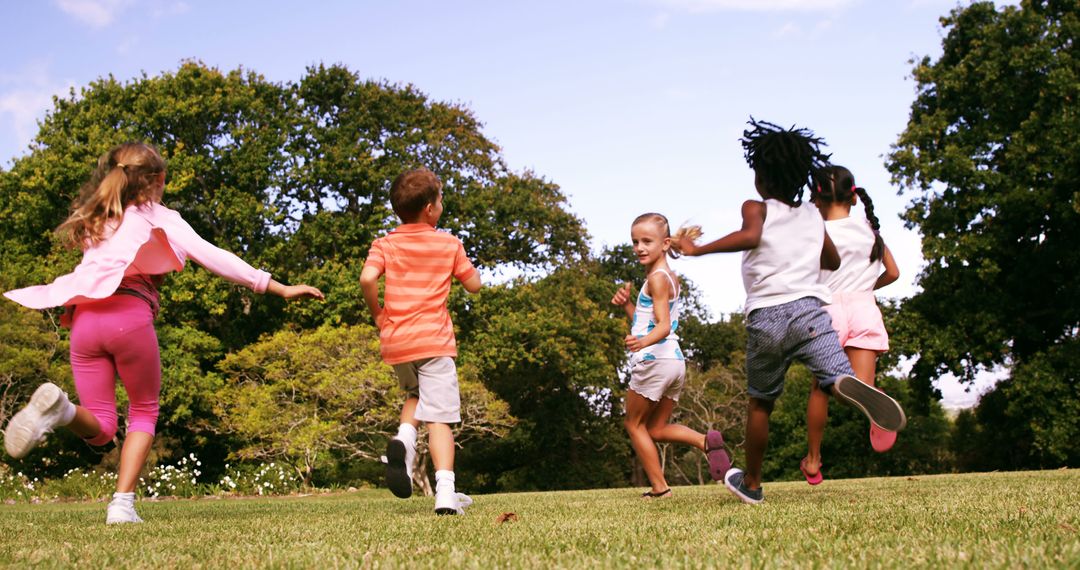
{"x":1029,"y":519}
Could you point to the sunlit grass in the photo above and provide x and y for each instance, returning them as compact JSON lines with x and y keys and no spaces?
{"x":985,"y":520}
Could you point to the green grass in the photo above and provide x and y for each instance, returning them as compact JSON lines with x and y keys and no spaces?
{"x":982,"y":520}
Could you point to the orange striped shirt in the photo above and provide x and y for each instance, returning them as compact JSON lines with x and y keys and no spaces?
{"x":418,"y":262}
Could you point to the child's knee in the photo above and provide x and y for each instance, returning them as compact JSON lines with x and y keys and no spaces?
{"x":762,"y":405}
{"x":108,"y":430}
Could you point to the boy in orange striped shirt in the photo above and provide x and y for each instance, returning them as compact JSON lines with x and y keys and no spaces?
{"x":415,"y":332}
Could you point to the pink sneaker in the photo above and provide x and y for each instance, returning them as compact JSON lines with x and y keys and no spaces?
{"x":880,"y":439}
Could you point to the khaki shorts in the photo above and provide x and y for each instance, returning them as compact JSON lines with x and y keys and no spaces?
{"x":655,"y":379}
{"x":434,"y":381}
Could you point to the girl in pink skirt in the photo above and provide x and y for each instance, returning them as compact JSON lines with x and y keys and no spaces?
{"x":129,"y":241}
{"x":865,"y":265}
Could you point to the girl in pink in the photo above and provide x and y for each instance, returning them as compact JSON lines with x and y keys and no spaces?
{"x":129,"y":241}
{"x":865,"y":265}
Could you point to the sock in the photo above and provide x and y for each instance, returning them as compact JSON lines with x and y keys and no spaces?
{"x":128,"y":498}
{"x":407,"y":434}
{"x":67,"y":413}
{"x":444,"y":478}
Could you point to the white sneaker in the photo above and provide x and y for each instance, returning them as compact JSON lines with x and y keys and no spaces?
{"x":449,"y":502}
{"x":121,"y":512}
{"x":27,"y":428}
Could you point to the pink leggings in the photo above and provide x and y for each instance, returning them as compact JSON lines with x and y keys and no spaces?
{"x":116,"y":336}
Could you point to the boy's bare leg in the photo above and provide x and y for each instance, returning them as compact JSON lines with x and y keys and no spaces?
{"x":408,"y":411}
{"x":757,"y":440}
{"x":441,"y":445}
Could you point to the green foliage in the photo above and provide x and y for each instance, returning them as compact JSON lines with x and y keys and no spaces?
{"x":923,"y":447}
{"x":551,"y":350}
{"x":315,"y":397}
{"x":991,"y":159}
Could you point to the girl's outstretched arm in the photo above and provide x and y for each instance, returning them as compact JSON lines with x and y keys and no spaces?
{"x":753,"y":215}
{"x":891,"y":273}
{"x":830,"y":258}
{"x":661,"y":295}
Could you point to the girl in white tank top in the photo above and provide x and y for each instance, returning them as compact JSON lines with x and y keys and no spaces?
{"x":865,"y":265}
{"x":658,"y":368}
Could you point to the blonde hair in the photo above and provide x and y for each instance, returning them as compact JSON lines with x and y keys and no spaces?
{"x":124,"y":176}
{"x":691,"y":232}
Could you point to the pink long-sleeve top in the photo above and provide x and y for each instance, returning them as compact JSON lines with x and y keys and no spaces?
{"x":152,"y":239}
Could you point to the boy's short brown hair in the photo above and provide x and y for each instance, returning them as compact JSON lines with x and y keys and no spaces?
{"x":412,"y":191}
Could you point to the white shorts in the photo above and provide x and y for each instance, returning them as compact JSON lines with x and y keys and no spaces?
{"x":435,"y":381}
{"x":661,"y":378}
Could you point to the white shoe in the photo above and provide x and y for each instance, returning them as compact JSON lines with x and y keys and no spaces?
{"x":449,"y":502}
{"x":27,"y":428}
{"x":398,"y":459}
{"x":121,"y":512}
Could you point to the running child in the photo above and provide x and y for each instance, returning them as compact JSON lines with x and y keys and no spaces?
{"x":129,"y":241}
{"x":865,"y":266}
{"x":415,"y":332}
{"x":784,"y":247}
{"x":658,"y":369}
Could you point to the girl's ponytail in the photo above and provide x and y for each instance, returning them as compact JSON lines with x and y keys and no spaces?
{"x":125,"y":175}
{"x":691,"y":233}
{"x":878,"y":250}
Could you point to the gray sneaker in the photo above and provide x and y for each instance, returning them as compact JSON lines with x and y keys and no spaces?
{"x":734,"y":483}
{"x":879,"y":408}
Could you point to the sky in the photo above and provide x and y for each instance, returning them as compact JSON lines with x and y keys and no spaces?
{"x":628,"y":105}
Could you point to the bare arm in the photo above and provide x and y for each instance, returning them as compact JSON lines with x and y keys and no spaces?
{"x":830,"y":258}
{"x":661,"y":294}
{"x":746,"y":238}
{"x":891,"y":273}
{"x":472,"y":284}
{"x":369,"y":285}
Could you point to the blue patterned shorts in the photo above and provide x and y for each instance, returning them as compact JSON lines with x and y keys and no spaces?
{"x":776,"y":336}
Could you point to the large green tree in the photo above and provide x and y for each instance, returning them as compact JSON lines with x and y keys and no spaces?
{"x":991,"y":159}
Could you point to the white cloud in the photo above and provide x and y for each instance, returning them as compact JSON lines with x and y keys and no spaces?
{"x":24,"y":99}
{"x":788,"y":29}
{"x":756,"y":5}
{"x":660,"y":20}
{"x":95,"y":13}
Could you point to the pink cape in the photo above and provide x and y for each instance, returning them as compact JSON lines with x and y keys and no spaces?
{"x":151,"y":240}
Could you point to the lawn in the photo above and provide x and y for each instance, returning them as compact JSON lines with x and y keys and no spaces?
{"x":1029,"y":519}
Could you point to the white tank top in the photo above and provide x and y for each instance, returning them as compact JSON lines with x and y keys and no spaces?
{"x":854,"y":238}
{"x":786,"y":264}
{"x":645,"y":322}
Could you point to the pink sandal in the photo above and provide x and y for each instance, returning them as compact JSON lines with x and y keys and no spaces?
{"x":814,"y":479}
{"x":880,"y":439}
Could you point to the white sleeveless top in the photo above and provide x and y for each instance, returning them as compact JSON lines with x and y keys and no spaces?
{"x":854,"y":238}
{"x":786,"y":264}
{"x":645,"y":322}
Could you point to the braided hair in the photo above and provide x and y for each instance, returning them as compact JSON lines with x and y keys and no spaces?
{"x":837,"y":184}
{"x":783,"y":159}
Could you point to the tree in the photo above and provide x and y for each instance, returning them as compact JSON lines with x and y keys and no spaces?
{"x":294,"y":177}
{"x":991,"y":158}
{"x":312,"y":398}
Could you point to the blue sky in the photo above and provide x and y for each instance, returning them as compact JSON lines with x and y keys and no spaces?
{"x":629,"y":105}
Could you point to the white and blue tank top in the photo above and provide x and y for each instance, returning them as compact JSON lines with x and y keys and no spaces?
{"x":645,"y":321}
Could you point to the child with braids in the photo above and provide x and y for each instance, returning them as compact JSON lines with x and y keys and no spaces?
{"x":129,"y":241}
{"x":865,"y":265}
{"x":658,"y":368}
{"x":784,"y":247}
